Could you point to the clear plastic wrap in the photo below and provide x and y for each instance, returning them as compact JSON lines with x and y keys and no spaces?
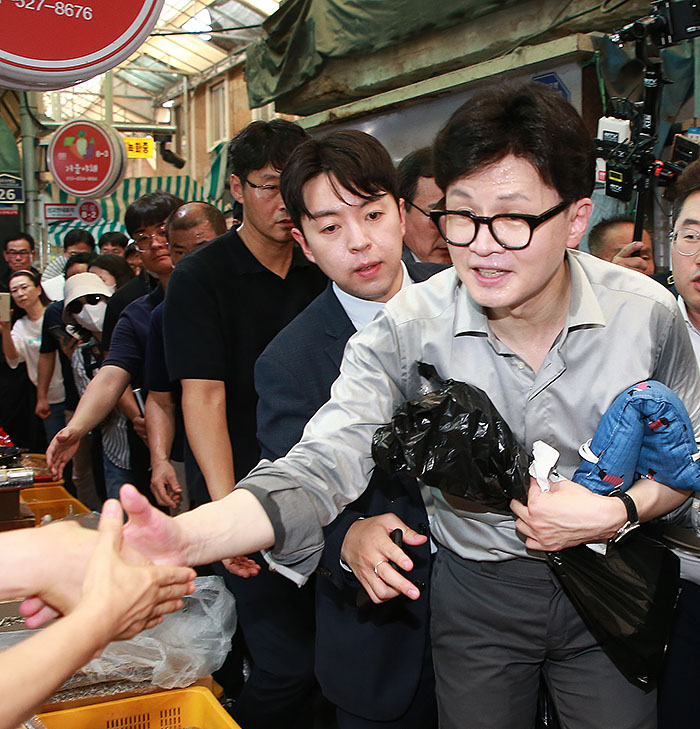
{"x":188,"y":644}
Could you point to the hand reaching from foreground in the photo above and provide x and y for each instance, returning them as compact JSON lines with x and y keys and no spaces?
{"x":118,"y":600}
{"x":131,"y":597}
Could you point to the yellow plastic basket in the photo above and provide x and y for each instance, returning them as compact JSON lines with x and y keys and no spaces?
{"x":176,"y":709}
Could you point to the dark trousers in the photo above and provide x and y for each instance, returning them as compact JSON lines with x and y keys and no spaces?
{"x":496,"y":627}
{"x":421,"y":714}
{"x":277,"y":621}
{"x":678,"y":704}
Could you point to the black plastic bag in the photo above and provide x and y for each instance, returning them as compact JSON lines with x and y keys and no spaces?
{"x":546,"y":717}
{"x":455,"y":440}
{"x":627,"y":598}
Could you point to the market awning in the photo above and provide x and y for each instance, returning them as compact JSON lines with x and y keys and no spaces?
{"x":114,"y":206}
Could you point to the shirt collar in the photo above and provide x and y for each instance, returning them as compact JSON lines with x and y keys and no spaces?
{"x":360,"y":311}
{"x":584,"y":309}
{"x":248,"y":263}
{"x":684,"y":312}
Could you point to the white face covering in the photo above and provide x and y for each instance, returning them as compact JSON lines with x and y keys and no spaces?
{"x":91,"y":316}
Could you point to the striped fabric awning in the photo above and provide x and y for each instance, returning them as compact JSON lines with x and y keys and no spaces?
{"x":216,"y":181}
{"x":113,"y":206}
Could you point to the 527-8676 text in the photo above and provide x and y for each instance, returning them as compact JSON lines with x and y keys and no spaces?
{"x":70,"y":10}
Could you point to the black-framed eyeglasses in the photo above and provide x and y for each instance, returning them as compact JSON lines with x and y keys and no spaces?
{"x":75,"y":307}
{"x":420,"y":210}
{"x":264,"y":191}
{"x":510,"y":230}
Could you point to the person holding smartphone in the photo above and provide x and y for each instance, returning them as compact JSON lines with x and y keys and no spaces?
{"x":21,"y":342}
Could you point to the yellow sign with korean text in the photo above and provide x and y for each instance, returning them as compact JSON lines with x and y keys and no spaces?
{"x":139,"y":147}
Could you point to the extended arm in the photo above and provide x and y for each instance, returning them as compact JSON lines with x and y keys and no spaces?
{"x":160,"y":424}
{"x":204,"y":410}
{"x":234,"y":525}
{"x":118,"y":600}
{"x":47,"y":362}
{"x":99,"y":399}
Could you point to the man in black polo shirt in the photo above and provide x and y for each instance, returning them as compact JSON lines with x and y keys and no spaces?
{"x":224,"y":304}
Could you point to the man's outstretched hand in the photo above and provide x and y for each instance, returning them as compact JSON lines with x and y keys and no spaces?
{"x":150,"y":532}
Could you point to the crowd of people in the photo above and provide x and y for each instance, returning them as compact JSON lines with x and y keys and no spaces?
{"x":237,"y":380}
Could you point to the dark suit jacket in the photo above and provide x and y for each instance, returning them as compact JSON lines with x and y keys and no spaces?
{"x":375,"y":652}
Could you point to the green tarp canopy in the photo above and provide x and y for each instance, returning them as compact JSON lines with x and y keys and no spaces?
{"x":303,"y":33}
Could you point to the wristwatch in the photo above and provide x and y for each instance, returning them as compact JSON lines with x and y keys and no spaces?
{"x":632,"y":516}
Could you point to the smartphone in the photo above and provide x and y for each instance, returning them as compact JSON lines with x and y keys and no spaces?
{"x":138,"y":395}
{"x":4,"y":306}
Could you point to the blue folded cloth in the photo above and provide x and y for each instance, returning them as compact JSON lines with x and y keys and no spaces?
{"x":645,"y":433}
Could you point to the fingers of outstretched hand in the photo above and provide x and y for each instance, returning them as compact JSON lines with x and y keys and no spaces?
{"x":150,"y":532}
{"x":61,"y":449}
{"x":241,"y":566}
{"x":36,"y":612}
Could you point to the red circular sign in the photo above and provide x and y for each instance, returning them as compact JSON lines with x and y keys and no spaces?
{"x":69,"y":42}
{"x":89,"y":211}
{"x":86,"y":158}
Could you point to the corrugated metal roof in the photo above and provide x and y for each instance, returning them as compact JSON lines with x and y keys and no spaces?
{"x":191,"y":36}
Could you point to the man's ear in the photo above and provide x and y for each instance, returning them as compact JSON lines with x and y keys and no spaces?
{"x":299,"y":238}
{"x":402,"y":216}
{"x":580,"y":215}
{"x":236,"y":186}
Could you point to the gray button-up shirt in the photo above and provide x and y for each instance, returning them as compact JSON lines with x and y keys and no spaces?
{"x":622,"y":327}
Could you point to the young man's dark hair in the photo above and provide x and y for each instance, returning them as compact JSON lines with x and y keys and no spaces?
{"x":19,"y":236}
{"x":358,"y":161}
{"x":262,"y":143}
{"x":150,"y":209}
{"x":78,"y":258}
{"x":197,"y":214}
{"x":412,"y":166}
{"x":114,"y":237}
{"x":78,"y":235}
{"x":527,"y":121}
{"x":686,"y":185}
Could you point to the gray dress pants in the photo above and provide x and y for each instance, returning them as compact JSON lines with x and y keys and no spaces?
{"x":495,"y":627}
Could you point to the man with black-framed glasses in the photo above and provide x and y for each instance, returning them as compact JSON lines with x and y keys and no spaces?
{"x":552,"y":336}
{"x":422,"y":240}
